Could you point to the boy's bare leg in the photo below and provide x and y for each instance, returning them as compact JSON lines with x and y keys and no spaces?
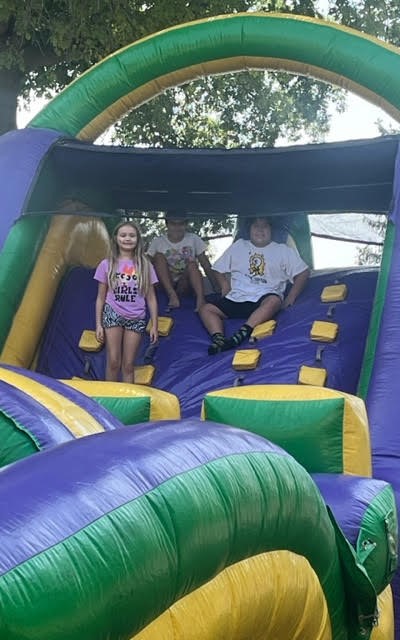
{"x":164,"y":275}
{"x":213,"y":319}
{"x":266,"y":311}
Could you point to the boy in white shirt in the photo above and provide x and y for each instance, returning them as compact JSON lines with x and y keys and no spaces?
{"x":175,"y":257}
{"x":253,"y":275}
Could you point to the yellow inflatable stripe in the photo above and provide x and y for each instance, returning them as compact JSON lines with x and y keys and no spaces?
{"x":71,"y":240}
{"x":163,"y":405}
{"x":272,"y":595}
{"x":357,"y":457}
{"x":385,"y":628}
{"x":76,"y":419}
{"x":287,"y":392}
{"x":149,"y":90}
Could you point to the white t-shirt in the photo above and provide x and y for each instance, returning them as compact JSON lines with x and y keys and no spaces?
{"x":178,"y":254}
{"x":256,"y":271}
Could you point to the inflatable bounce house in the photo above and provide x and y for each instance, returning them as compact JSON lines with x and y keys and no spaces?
{"x":248,"y":495}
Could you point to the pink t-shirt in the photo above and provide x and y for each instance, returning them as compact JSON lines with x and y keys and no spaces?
{"x":125,"y":299}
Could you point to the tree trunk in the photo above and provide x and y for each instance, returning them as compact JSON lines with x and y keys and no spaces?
{"x":10,"y":86}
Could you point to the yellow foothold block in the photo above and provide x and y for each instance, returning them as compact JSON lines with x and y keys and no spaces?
{"x":334,"y":293}
{"x":144,"y":374}
{"x":263,"y":330}
{"x":89,"y":342}
{"x":312,"y":375}
{"x":324,"y":331}
{"x":246,"y":359}
{"x":165,"y":325}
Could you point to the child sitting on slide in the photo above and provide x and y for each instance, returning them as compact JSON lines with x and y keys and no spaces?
{"x":175,"y":256}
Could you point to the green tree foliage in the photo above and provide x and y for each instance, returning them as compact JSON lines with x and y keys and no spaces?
{"x":44,"y":44}
{"x":379,"y":18}
{"x":371,"y":254}
{"x":247,"y":109}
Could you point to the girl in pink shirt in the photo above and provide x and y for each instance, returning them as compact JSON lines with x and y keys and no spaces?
{"x":126,"y":284}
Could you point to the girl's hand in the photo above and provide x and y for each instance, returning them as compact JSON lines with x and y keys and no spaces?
{"x":153,"y":334}
{"x":100,"y":334}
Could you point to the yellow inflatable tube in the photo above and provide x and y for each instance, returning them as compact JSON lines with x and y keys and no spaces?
{"x":79,"y":422}
{"x":70,"y":241}
{"x":273,"y":595}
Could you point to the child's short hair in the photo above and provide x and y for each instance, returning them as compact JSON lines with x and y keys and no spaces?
{"x":176,"y":215}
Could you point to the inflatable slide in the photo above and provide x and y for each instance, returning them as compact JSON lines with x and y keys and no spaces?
{"x":253,"y":494}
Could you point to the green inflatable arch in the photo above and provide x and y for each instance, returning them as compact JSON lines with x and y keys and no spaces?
{"x":138,"y":72}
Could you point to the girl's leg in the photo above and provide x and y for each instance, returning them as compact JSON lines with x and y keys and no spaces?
{"x":131,"y":342}
{"x":113,"y":349}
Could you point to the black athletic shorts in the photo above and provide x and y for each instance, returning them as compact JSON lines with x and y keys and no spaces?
{"x":240,"y":310}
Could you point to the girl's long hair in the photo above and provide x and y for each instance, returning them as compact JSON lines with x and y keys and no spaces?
{"x":138,"y":255}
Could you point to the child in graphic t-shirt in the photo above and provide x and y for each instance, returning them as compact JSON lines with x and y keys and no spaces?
{"x":126,"y":284}
{"x":175,"y":256}
{"x":253,"y":275}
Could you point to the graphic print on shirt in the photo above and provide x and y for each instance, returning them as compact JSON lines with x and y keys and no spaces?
{"x":178,"y":258}
{"x":257,"y":265}
{"x":126,"y":289}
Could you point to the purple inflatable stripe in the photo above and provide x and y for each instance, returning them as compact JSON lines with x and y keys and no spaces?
{"x":383,"y":397}
{"x":348,"y":497}
{"x":48,"y":497}
{"x":104,"y":417}
{"x":45,"y":428}
{"x":21,"y":153}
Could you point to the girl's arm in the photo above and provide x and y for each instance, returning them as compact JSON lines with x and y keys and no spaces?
{"x":100,"y":300}
{"x":152,"y":304}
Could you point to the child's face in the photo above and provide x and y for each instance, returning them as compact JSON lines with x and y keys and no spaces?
{"x":176,"y":229}
{"x":260,"y":232}
{"x":126,"y":238}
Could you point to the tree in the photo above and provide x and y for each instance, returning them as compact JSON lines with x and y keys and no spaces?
{"x":247,"y":109}
{"x":45,"y":44}
{"x":379,"y":18}
{"x":371,"y":254}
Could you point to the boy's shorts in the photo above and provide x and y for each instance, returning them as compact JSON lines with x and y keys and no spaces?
{"x":112,"y":319}
{"x":239,"y":310}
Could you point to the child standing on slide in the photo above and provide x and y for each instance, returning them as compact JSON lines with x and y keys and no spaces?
{"x":126,"y":283}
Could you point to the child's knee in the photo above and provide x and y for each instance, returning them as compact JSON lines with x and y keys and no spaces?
{"x":114,"y":363}
{"x":128,"y":367}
